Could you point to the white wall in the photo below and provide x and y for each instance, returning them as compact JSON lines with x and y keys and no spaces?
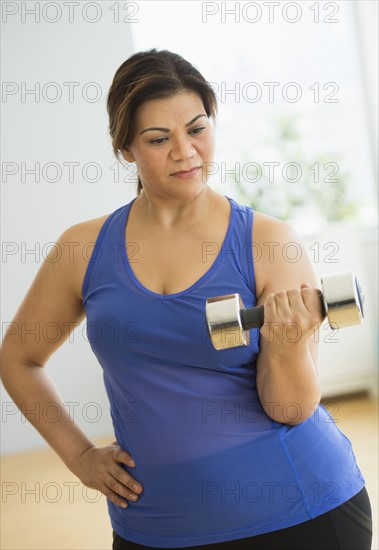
{"x":36,"y":130}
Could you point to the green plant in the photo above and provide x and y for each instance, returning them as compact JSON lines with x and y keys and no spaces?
{"x":317,"y":184}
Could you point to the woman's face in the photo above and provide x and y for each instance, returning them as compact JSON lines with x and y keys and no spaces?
{"x":172,"y":145}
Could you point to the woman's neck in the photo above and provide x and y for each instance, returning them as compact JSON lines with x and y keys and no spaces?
{"x":175,"y":213}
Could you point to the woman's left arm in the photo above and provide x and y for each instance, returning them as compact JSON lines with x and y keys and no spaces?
{"x":287,"y":379}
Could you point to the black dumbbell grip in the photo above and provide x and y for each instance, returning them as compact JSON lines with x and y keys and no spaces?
{"x":252,"y":317}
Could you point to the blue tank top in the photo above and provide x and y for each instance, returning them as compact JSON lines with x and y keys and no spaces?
{"x":213,"y":465}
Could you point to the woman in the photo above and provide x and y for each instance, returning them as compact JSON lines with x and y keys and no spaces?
{"x":214,"y":448}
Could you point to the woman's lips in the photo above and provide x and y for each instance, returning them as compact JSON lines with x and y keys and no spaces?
{"x":186,"y":173}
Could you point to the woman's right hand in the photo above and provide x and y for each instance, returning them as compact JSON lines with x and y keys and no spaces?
{"x":100,"y":468}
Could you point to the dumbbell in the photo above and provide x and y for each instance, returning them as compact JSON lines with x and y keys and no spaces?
{"x":229,"y":322}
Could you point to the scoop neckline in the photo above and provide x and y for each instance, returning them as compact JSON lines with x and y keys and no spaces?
{"x":197,"y":283}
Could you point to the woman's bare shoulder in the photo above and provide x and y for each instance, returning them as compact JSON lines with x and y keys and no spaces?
{"x":87,"y":230}
{"x":267,"y":227}
{"x":281,"y":261}
{"x":75,"y":247}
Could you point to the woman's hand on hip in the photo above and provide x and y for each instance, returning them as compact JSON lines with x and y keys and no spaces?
{"x":101,"y":468}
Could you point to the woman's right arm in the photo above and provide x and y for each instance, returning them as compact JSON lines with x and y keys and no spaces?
{"x":55,"y":297}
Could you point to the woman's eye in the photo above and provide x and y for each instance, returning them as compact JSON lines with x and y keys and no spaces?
{"x":158,"y":141}
{"x":197,"y":130}
{"x":193,"y":131}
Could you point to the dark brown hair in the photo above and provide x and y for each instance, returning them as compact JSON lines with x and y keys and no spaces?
{"x":147,"y":75}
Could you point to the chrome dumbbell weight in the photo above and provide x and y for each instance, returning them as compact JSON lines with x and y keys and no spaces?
{"x":229,"y":322}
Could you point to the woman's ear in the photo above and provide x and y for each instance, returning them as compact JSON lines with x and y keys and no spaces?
{"x":127,"y":155}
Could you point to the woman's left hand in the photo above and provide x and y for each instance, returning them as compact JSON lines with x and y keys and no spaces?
{"x":292,"y":317}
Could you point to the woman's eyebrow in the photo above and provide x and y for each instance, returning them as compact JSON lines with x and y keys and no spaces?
{"x":194,"y":120}
{"x":167,"y":130}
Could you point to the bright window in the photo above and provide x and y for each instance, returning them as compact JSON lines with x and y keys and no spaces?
{"x":292,"y":136}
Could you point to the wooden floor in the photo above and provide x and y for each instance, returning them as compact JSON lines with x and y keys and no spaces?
{"x":62,"y":514}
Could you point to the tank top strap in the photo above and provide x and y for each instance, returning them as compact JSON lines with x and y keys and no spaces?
{"x":108,"y":246}
{"x":240,"y":241}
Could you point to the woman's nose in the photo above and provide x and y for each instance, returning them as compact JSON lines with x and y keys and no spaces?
{"x":182,"y":149}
